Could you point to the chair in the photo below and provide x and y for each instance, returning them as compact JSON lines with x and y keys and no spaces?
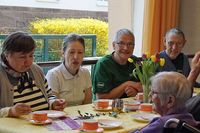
{"x":174,"y":125}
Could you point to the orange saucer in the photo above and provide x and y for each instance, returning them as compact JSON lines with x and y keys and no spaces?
{"x":48,"y":121}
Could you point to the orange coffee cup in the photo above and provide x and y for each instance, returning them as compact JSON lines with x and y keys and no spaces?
{"x":146,"y":107}
{"x":39,"y":116}
{"x":103,"y":104}
{"x":90,"y":124}
{"x":131,"y":105}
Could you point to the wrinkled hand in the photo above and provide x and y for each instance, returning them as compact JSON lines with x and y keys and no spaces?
{"x":59,"y":104}
{"x":195,"y":68}
{"x":19,"y":109}
{"x":196,"y":62}
{"x":130,"y":91}
{"x":132,"y":88}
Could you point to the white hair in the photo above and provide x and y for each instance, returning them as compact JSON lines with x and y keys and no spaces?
{"x":172,"y":83}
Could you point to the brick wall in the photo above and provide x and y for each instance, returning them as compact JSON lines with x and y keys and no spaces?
{"x":18,"y":18}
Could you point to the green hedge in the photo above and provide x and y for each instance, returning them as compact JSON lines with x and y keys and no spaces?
{"x":80,"y":26}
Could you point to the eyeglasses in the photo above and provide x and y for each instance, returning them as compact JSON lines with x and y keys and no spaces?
{"x":152,"y":92}
{"x":128,"y":44}
{"x":178,"y":44}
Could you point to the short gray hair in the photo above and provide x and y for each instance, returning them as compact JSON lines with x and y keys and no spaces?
{"x":122,"y":32}
{"x":172,"y":83}
{"x":176,"y":31}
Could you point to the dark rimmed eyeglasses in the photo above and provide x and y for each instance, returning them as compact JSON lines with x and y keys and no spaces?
{"x":128,"y":44}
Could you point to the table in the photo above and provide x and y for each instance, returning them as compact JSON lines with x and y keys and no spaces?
{"x":196,"y":90}
{"x":128,"y":123}
{"x":21,"y":125}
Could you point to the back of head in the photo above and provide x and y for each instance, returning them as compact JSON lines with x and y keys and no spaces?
{"x":172,"y":83}
{"x":71,"y":38}
{"x":122,"y":32}
{"x":17,"y":42}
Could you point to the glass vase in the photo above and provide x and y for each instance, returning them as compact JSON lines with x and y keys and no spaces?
{"x":146,"y":91}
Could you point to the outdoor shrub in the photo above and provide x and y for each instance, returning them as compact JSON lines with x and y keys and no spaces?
{"x":80,"y":26}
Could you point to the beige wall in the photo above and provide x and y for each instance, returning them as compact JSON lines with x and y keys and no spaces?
{"x":126,"y":14}
{"x":190,"y":24}
{"x":119,"y":16}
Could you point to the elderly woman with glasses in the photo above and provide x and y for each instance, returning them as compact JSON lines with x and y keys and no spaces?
{"x":23,"y":87}
{"x":112,"y":77}
{"x":169,"y":93}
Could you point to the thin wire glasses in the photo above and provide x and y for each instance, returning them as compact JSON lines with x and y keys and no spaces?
{"x":128,"y":44}
{"x":152,"y":92}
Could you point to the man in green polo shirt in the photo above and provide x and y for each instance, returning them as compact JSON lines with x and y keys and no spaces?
{"x":112,"y":77}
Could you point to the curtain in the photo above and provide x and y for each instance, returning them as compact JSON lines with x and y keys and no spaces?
{"x":159,"y":16}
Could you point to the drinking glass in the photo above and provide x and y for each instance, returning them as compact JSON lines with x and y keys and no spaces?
{"x":117,"y":105}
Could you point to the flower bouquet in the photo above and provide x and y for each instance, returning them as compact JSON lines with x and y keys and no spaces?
{"x":144,"y":69}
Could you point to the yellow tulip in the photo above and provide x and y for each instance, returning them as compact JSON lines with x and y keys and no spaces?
{"x":130,"y":60}
{"x":148,"y":55}
{"x":162,"y":61}
{"x":153,"y":58}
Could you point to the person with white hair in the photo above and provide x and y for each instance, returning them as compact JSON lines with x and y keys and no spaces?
{"x":169,"y":93}
{"x":175,"y":59}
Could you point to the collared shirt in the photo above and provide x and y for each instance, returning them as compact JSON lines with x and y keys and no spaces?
{"x":67,"y":86}
{"x":182,"y":63}
{"x":108,"y":74}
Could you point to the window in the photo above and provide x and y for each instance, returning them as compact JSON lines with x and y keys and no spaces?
{"x":102,"y":2}
{"x":50,"y":1}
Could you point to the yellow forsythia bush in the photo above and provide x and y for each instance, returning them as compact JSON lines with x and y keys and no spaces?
{"x":80,"y":26}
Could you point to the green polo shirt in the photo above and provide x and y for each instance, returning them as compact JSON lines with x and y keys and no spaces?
{"x":108,"y":74}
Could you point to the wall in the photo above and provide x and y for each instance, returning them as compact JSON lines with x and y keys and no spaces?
{"x":126,"y":14}
{"x":88,"y":5}
{"x":120,"y":16}
{"x":18,"y":18}
{"x":190,"y":24}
